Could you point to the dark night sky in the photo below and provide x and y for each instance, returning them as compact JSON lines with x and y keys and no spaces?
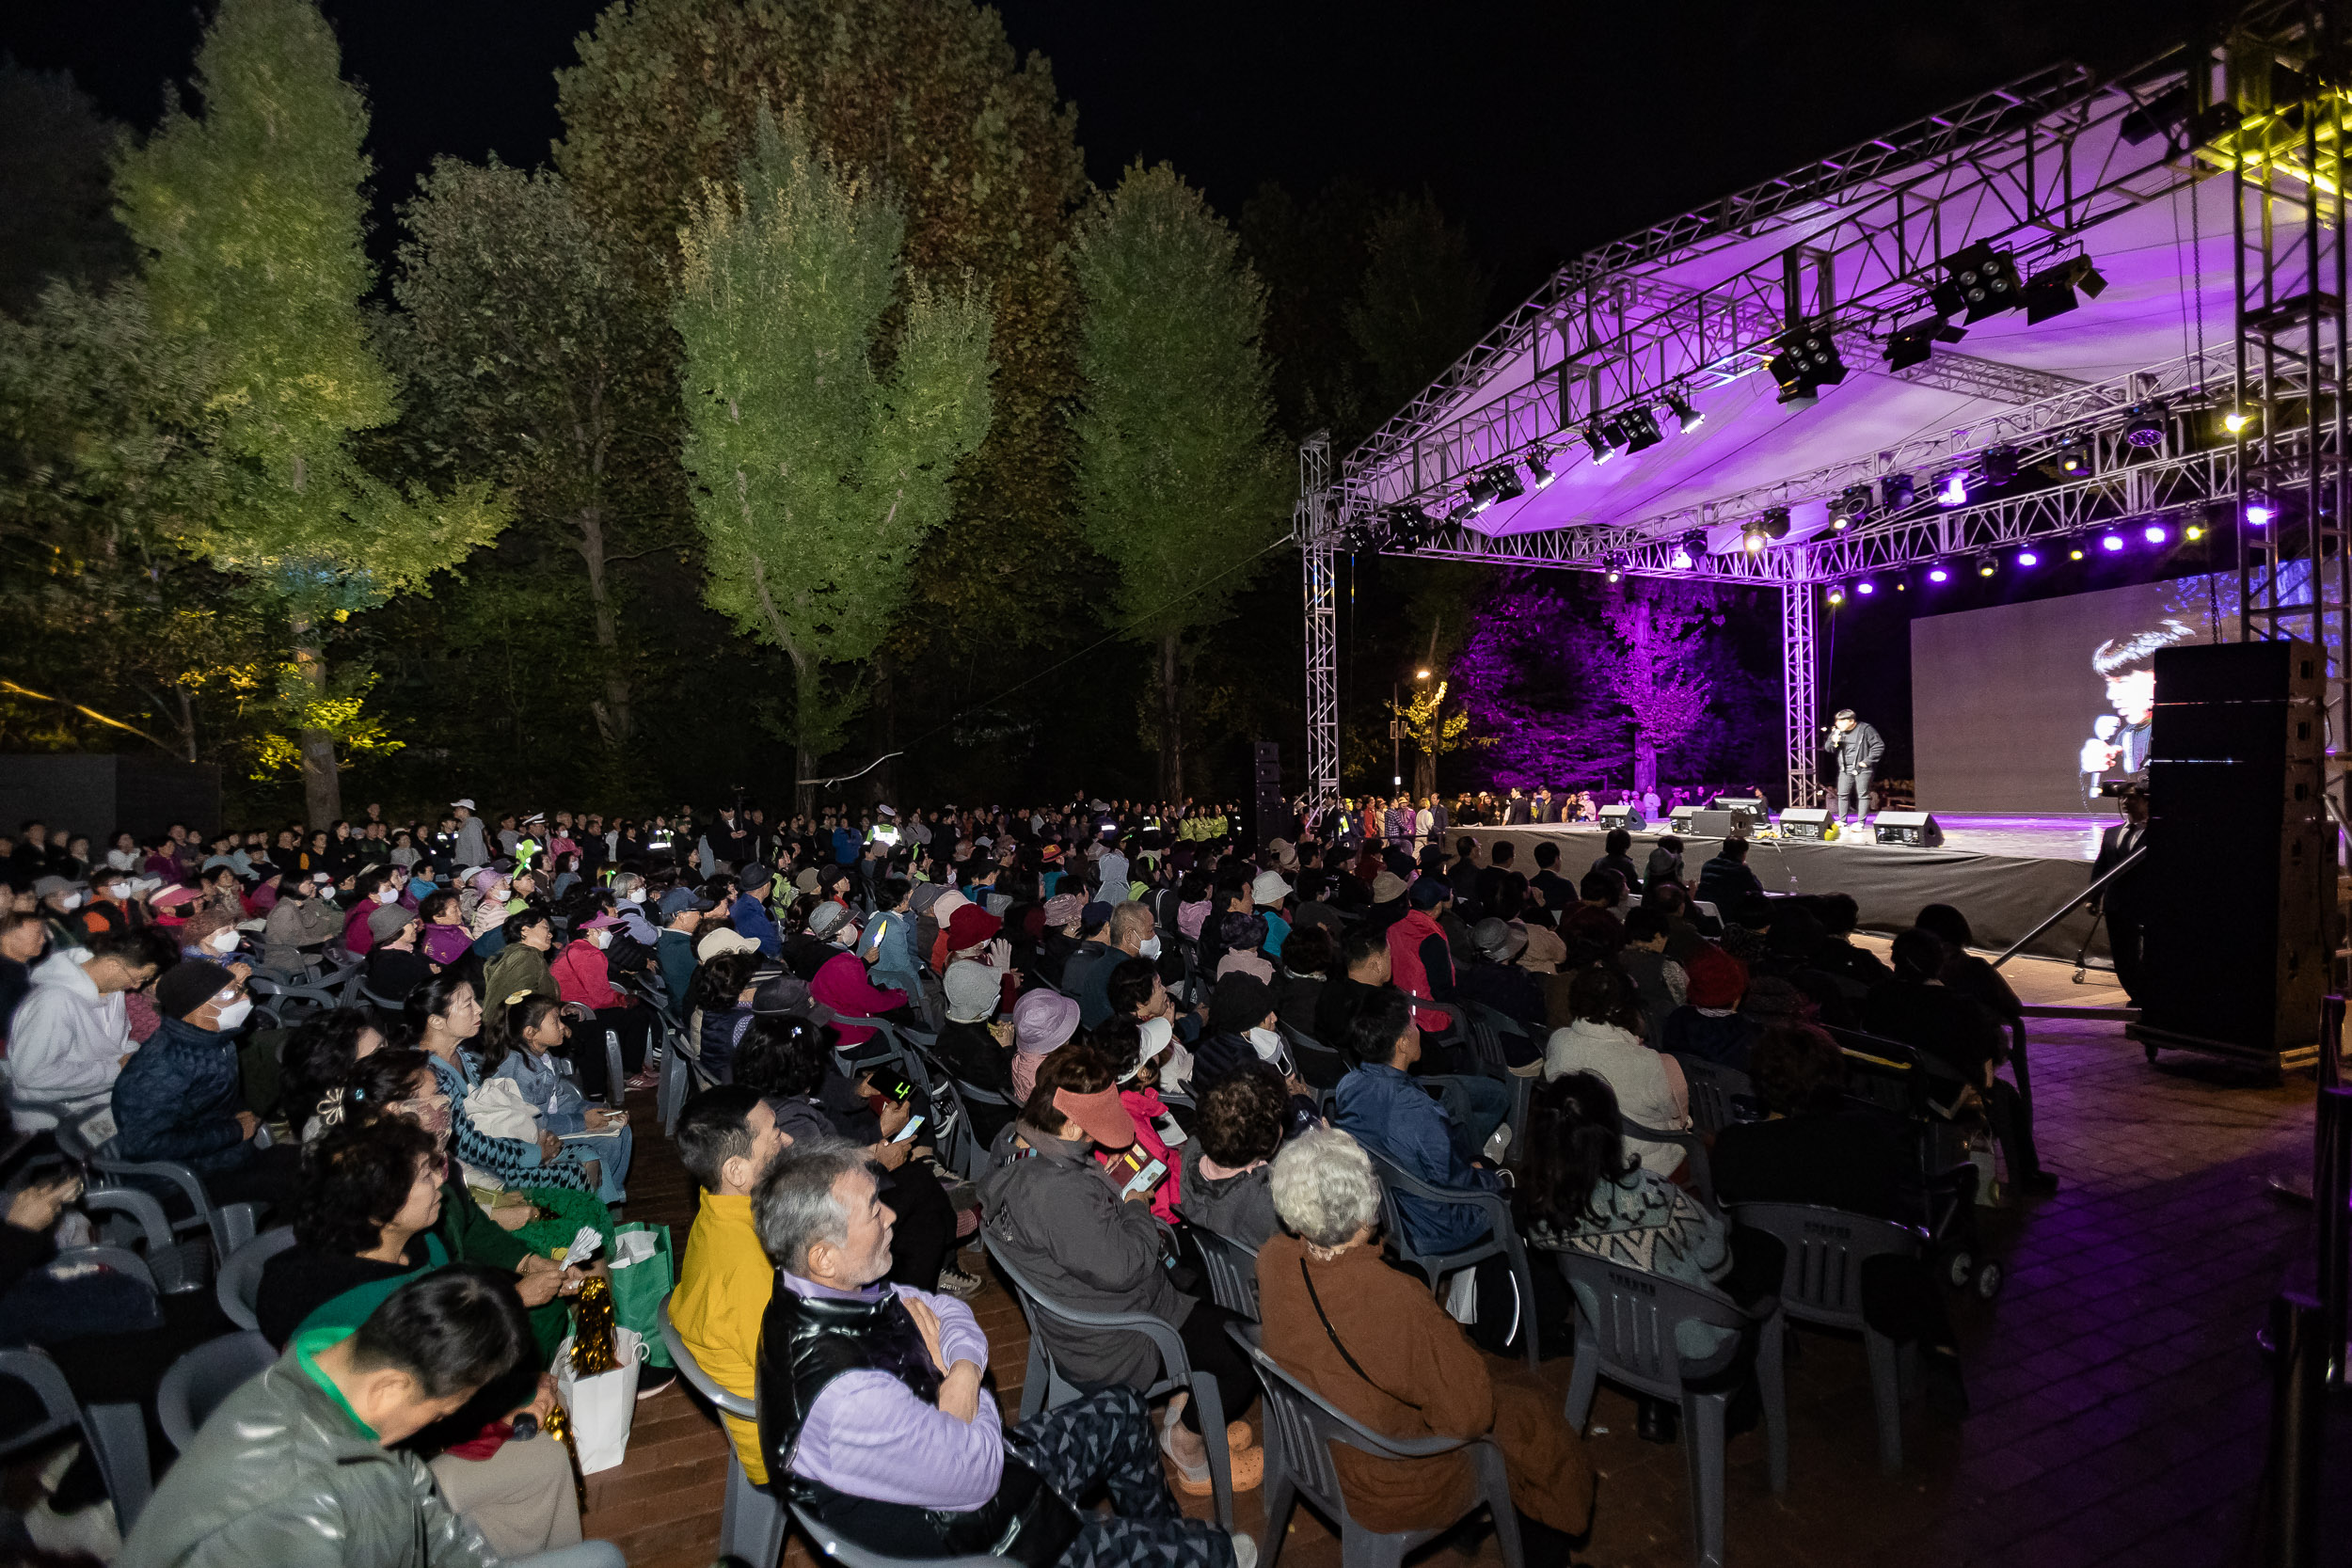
{"x":1545,"y":128}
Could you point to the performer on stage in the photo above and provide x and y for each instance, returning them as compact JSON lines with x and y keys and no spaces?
{"x":1858,"y":748}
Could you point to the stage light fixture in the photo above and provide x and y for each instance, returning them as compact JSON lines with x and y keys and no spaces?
{"x":2146,"y":428}
{"x":1614,"y":563}
{"x":1865,"y":586}
{"x":2235,"y":421}
{"x":1508,"y":487}
{"x":1776,"y":523}
{"x":1852,"y":506}
{"x":1602,"y":448}
{"x":1937,"y":574}
{"x":1694,"y":545}
{"x":1837,"y":595}
{"x":2074,"y":548}
{"x":1806,"y":362}
{"x":1897,"y":492}
{"x":2029,"y":558}
{"x":1639,"y":429}
{"x":1688,"y":417}
{"x":2193,"y":532}
{"x":2051,"y":291}
{"x":2154,"y":533}
{"x":2000,"y":464}
{"x":1752,"y":538}
{"x":2259,"y":508}
{"x":1986,"y":565}
{"x":1952,"y":490}
{"x":1912,"y":343}
{"x":1982,"y":282}
{"x":2073,"y":455}
{"x":1539,"y":469}
{"x":1480,"y":493}
{"x":1682,"y":562}
{"x":2112,"y":541}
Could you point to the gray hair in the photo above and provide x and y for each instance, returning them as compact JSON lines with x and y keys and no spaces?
{"x":1127,"y":920}
{"x":794,"y":1207}
{"x":1324,"y":1188}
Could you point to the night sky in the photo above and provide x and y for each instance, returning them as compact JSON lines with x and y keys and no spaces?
{"x":1544,"y":128}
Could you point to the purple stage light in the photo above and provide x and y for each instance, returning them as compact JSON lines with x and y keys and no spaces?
{"x":2112,"y":541}
{"x":2259,"y":510}
{"x":1682,"y":560}
{"x":1955,"y":491}
{"x":2153,"y":533}
{"x":1865,"y":587}
{"x":1937,"y":574}
{"x":2028,"y":557}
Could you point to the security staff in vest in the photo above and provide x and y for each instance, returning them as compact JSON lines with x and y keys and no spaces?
{"x":1857,"y":748}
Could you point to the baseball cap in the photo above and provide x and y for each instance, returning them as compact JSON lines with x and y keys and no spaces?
{"x":386,"y":920}
{"x":789,"y":994}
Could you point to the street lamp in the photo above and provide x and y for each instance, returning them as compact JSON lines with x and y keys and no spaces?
{"x":1396,"y":730}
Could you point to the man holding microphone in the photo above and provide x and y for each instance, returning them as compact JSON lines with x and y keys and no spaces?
{"x":1857,"y":748}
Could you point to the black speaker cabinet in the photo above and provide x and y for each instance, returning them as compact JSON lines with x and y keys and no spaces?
{"x":1917,"y":828}
{"x":1269,"y":816}
{"x":1809,"y":824}
{"x":1629,"y":817}
{"x":2237,"y":894}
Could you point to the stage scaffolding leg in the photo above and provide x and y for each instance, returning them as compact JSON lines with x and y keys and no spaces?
{"x":1316,"y":531}
{"x":1800,"y":681}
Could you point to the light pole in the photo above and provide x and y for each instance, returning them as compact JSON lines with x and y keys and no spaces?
{"x":1396,"y":729}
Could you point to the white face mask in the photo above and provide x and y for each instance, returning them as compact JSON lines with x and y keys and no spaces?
{"x":234,"y":1014}
{"x":601,"y":937}
{"x":117,"y":890}
{"x":72,"y":900}
{"x":633,"y":898}
{"x":1150,"y":947}
{"x":387,"y":895}
{"x":222,"y":941}
{"x":1268,"y":1044}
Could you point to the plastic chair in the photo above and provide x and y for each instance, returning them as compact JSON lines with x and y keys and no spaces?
{"x":752,"y":1524}
{"x":1300,"y":1427}
{"x":273,"y":999}
{"x":1821,"y":1284}
{"x":240,"y":1278}
{"x":230,"y":1225}
{"x":195,"y":1383}
{"x":1693,"y":1155}
{"x":1628,"y":1336}
{"x":850,"y":1555}
{"x":1503,"y":1235}
{"x":1318,"y":1064}
{"x":1712,"y":1086}
{"x":1232,"y":1271}
{"x":115,"y":1434}
{"x":1044,"y":1387}
{"x":173,"y":1265}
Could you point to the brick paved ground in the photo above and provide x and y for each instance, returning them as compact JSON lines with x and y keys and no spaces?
{"x":2119,"y":1399}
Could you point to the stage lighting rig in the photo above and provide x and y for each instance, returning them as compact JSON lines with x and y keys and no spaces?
{"x":1805,"y":362}
{"x":1776,"y":523}
{"x":1688,"y":417}
{"x":1986,"y":565}
{"x":1637,"y":428}
{"x":1508,"y":487}
{"x":2073,"y":455}
{"x":2146,"y":426}
{"x":1952,"y":488}
{"x":1614,"y":565}
{"x":2000,"y":464}
{"x":2028,"y":557}
{"x":1898,"y":493}
{"x":1480,"y":493}
{"x":1692,"y":546}
{"x":1852,"y":506}
{"x":2051,"y":291}
{"x":2259,"y":508}
{"x":1982,"y":282}
{"x":1751,"y":537}
{"x":1596,"y":439}
{"x":1411,"y":526}
{"x":1910,"y":346}
{"x":1837,"y":594}
{"x":2236,"y":420}
{"x":1539,"y":469}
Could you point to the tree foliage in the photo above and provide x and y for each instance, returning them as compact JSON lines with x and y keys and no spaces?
{"x":818,"y":466}
{"x":249,"y":218}
{"x":56,"y":217}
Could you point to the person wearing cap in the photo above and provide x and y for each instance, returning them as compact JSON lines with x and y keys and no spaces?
{"x":749,"y":912}
{"x":1085,"y":1236}
{"x":1042,"y":1022}
{"x":1494,"y":979}
{"x":1135,"y":1057}
{"x":975,"y":1048}
{"x":1709,"y":1024}
{"x":681,"y":916}
{"x":1421,"y":959}
{"x":394,"y":966}
{"x":179,"y":1097}
{"x":840,"y":981}
{"x":1267,"y":890}
{"x":1242,"y":1035}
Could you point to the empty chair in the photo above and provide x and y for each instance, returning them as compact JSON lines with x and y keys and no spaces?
{"x":752,"y":1524}
{"x":1044,"y":1388}
{"x":128,"y":1217}
{"x":1232,"y":1271}
{"x":850,"y":1555}
{"x":1626,"y":1332}
{"x":195,"y":1383}
{"x":1503,"y":1235}
{"x":1820,"y":1283}
{"x":1300,"y":1427}
{"x":229,"y":1225}
{"x":239,"y":1282}
{"x":116,"y":1434}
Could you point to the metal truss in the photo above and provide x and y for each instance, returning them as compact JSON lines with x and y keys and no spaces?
{"x":1972,"y":377}
{"x":1799,"y":676}
{"x":1316,"y":562}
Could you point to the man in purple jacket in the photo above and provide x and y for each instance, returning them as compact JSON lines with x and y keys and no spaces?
{"x":872,"y":1417}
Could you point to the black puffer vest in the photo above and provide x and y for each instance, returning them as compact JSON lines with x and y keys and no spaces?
{"x":803,"y":1345}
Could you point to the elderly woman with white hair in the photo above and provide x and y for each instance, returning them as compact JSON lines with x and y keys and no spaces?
{"x":1374,"y":1342}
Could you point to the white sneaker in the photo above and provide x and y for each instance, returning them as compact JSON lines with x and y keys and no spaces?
{"x":1245,"y":1551}
{"x":1499,"y":1142}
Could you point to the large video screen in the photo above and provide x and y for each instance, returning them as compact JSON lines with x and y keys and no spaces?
{"x":2028,"y":707}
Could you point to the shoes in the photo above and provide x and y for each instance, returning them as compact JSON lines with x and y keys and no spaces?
{"x":1501,"y":1142}
{"x":1248,"y":1464}
{"x":954,"y":1281}
{"x":652,"y":1380}
{"x":1245,"y":1551}
{"x":644,"y":1078}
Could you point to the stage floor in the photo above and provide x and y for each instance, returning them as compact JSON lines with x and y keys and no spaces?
{"x":2035,"y":838}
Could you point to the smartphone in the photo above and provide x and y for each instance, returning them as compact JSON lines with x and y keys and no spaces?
{"x":907,"y":1130}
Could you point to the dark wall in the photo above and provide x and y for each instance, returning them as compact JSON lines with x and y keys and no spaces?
{"x":99,"y":794}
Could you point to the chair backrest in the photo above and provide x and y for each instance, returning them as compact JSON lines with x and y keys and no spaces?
{"x":1713,"y":1084}
{"x":850,"y":1555}
{"x":734,"y":1405}
{"x":1825,"y":1248}
{"x":240,"y":1278}
{"x":1301,"y":1426}
{"x":195,"y":1383}
{"x":1232,"y":1271}
{"x":1695,"y":1154}
{"x":1632,"y":1318}
{"x":1395,"y":1179}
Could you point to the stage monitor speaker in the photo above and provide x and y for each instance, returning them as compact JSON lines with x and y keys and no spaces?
{"x":1269,"y":816}
{"x":1917,"y":828}
{"x":1680,"y":819}
{"x":2234,"y":779}
{"x":1627,"y":817}
{"x":1718,"y":824}
{"x":1749,"y":806}
{"x":1808,"y":825}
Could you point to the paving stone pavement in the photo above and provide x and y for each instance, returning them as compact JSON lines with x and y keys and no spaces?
{"x":2119,"y":1402}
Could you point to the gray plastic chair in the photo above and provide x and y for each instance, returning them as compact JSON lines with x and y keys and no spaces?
{"x":1044,"y":1387}
{"x":229,"y":1225}
{"x":1628,"y":1336}
{"x":1694,"y":1155}
{"x":1232,"y":1271}
{"x":1820,"y":1283}
{"x":116,"y":1434}
{"x":126,"y":1216}
{"x":751,"y":1523}
{"x":240,"y":1278}
{"x":195,"y":1383}
{"x":1300,"y":1427}
{"x":1502,"y":1236}
{"x":850,"y":1555}
{"x":1712,"y":1085}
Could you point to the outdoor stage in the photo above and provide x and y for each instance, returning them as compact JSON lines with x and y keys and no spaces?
{"x":2004,"y":873}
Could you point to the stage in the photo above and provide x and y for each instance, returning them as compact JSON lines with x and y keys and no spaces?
{"x":2004,"y":873}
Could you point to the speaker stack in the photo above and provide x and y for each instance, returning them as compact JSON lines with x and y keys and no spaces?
{"x":1916,"y":829}
{"x":1808,"y":824}
{"x":1269,"y":816}
{"x":2242,"y":883}
{"x":1627,"y":817}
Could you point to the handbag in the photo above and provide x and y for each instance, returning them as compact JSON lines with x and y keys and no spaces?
{"x":642,"y":1270}
{"x":603,"y":1407}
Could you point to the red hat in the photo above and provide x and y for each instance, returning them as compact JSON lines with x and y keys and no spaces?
{"x":1101,"y":1116}
{"x":1716,"y":978}
{"x":971,"y":926}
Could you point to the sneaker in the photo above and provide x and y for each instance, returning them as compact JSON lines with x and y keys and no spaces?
{"x":653,"y":1380}
{"x":644,"y":1078}
{"x":954,"y":1281}
{"x":1499,"y":1142}
{"x":1245,"y":1551}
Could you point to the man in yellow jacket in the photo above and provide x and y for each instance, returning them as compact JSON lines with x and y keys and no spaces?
{"x":727,"y":1137}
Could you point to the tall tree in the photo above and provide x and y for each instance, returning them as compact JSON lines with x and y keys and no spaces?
{"x":1424,"y":301}
{"x":55,"y":212}
{"x":1179,"y":484}
{"x":249,"y":216}
{"x":531,"y":368}
{"x":815,"y":469}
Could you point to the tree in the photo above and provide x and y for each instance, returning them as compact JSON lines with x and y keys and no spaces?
{"x":1424,"y":301}
{"x":249,"y":217}
{"x":1660,"y":670}
{"x":817,"y":471}
{"x":534,"y":371}
{"x":55,"y":217}
{"x":1431,"y":731}
{"x":1179,"y":483}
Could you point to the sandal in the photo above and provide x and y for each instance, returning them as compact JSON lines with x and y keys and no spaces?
{"x":1248,"y":1463}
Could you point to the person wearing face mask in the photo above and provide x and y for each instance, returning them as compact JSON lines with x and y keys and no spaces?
{"x":179,"y":1097}
{"x":584,"y":980}
{"x":108,"y":907}
{"x":299,"y":925}
{"x":1130,"y":934}
{"x":372,"y":891}
{"x":840,"y":981}
{"x":395,"y":967}
{"x":209,"y":933}
{"x":59,"y":903}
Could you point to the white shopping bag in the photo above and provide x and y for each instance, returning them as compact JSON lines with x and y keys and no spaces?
{"x":603,"y":1407}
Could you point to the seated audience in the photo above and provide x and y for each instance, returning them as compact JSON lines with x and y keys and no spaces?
{"x":1494,"y":979}
{"x":1374,"y":1342}
{"x":1310,"y":958}
{"x":1709,"y":1025}
{"x":1366,"y":955}
{"x":1135,"y":1057}
{"x":1605,"y":1038}
{"x":179,"y":1097}
{"x":521,"y":964}
{"x":395,"y":967}
{"x":1042,"y":1022}
{"x":728,"y":1138}
{"x":1660,"y":982}
{"x":522,"y":1047}
{"x":71,"y":1035}
{"x":1617,"y":855}
{"x":1225,"y":1164}
{"x":441,"y":1019}
{"x":973,"y":1047}
{"x":1725,"y":881}
{"x":583,"y":979}
{"x":1961,"y":1038}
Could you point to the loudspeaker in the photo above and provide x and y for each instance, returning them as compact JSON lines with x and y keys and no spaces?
{"x":1811,"y":825}
{"x":1679,"y":819}
{"x":1718,"y":824}
{"x":1269,"y":816}
{"x":1627,"y":817}
{"x":1749,"y":806}
{"x":1917,"y":828}
{"x":2234,"y":778}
